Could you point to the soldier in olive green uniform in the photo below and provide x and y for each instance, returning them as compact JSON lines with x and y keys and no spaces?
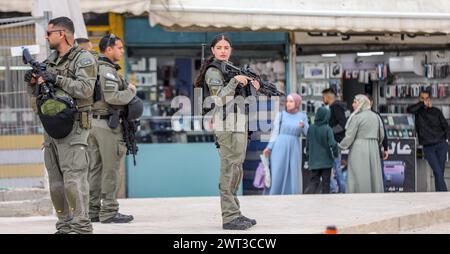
{"x":231,"y":133}
{"x":106,"y":145}
{"x":73,"y":70}
{"x":85,"y":43}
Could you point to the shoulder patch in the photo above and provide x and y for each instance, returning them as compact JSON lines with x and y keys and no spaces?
{"x":215,"y":81}
{"x":111,"y":76}
{"x":214,"y":77}
{"x":86,"y":62}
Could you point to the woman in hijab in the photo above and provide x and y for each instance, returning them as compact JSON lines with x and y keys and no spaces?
{"x":285,"y":149}
{"x":363,"y":135}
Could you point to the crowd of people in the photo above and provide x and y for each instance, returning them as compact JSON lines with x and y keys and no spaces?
{"x":334,"y":130}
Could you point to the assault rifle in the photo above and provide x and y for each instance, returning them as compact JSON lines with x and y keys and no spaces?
{"x":266,"y":88}
{"x":38,"y":68}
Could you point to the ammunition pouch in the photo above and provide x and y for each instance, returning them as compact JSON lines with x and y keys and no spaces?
{"x":85,"y":120}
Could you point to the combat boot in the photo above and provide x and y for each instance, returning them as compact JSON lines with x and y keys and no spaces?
{"x":237,"y":224}
{"x":95,"y":219}
{"x":252,"y":221}
{"x":119,"y":218}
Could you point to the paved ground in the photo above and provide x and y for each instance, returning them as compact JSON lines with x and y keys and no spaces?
{"x":442,"y":228}
{"x":351,"y":213}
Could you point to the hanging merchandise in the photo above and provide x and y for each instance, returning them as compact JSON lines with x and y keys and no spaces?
{"x":442,"y":90}
{"x":382,"y":71}
{"x":415,"y":90}
{"x":434,"y":91}
{"x":437,"y":70}
{"x":361,"y":76}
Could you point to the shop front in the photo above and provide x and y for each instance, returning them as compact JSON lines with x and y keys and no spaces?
{"x":358,"y":48}
{"x":393,"y":69}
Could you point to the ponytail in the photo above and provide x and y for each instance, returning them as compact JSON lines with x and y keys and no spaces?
{"x":201,"y":76}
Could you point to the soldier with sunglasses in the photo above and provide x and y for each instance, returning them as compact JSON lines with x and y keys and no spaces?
{"x":70,"y":70}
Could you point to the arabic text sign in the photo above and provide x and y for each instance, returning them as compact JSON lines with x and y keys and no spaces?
{"x":400,"y":168}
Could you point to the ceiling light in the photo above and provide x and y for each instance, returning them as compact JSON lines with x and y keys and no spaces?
{"x":379,"y":53}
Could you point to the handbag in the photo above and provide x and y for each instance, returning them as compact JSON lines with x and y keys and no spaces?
{"x":267,"y":177}
{"x":258,"y":181}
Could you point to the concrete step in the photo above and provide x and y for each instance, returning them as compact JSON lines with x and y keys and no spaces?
{"x":25,"y":202}
{"x":23,"y":194}
{"x":23,"y":208}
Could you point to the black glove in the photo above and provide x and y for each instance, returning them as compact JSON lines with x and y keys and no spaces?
{"x":28,"y":76}
{"x":49,"y":77}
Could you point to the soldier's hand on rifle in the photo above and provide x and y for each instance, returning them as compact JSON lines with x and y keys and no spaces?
{"x":29,"y":77}
{"x":242,"y":79}
{"x":256,"y":84}
{"x":40,"y":80}
{"x":47,"y":77}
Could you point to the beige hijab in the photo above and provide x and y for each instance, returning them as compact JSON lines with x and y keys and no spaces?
{"x":363,"y":104}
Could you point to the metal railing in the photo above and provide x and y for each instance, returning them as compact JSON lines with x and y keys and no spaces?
{"x":21,"y":158}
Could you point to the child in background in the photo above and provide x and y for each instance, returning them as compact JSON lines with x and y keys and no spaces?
{"x":321,"y":149}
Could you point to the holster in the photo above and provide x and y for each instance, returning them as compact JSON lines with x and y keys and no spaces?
{"x":114,"y":118}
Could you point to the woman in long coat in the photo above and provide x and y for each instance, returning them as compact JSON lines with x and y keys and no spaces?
{"x":285,"y":148}
{"x":363,"y":136}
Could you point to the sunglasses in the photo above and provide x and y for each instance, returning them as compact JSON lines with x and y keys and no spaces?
{"x":50,"y":32}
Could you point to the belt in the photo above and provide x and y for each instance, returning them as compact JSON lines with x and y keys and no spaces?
{"x":104,"y":117}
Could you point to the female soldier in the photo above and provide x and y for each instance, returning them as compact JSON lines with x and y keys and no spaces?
{"x":232,"y":142}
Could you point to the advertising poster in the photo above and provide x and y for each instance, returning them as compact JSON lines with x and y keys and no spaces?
{"x":400,"y":167}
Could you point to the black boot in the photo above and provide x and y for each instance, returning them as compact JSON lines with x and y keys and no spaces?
{"x":252,"y":221}
{"x":95,"y":219}
{"x":119,"y":218}
{"x":237,"y":224}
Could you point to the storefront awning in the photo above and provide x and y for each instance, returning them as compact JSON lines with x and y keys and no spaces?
{"x":135,"y":7}
{"x":429,"y":16}
{"x":412,"y":16}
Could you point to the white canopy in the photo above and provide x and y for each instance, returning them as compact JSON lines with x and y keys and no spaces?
{"x":306,"y":15}
{"x":429,"y":16}
{"x":136,"y":7}
{"x":67,"y":8}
